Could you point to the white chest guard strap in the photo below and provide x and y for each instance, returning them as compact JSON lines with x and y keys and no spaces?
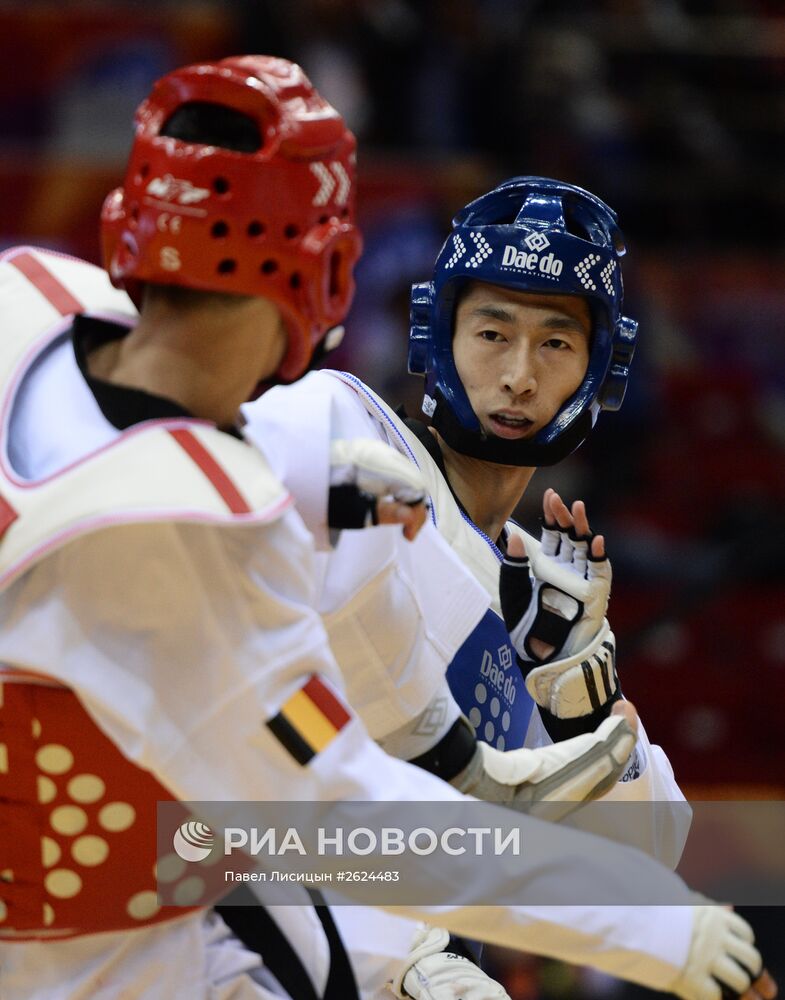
{"x":181,"y":470}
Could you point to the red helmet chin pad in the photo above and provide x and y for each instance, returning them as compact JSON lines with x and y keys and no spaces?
{"x":278,"y":222}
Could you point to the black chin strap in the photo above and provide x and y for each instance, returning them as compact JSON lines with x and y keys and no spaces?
{"x":488,"y":448}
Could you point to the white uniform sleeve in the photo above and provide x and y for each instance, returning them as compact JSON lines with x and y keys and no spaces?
{"x":649,"y":779}
{"x":660,"y":831}
{"x":182,"y":640}
{"x":396,"y":612}
{"x":293,"y":426}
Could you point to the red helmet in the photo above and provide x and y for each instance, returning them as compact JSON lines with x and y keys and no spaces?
{"x":277,"y":221}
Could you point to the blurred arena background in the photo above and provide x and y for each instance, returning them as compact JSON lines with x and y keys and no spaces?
{"x":673,"y":111}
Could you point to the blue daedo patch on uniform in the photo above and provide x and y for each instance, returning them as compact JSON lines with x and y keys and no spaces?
{"x":488,"y":686}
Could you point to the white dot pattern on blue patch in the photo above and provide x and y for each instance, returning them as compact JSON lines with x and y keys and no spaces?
{"x":484,"y":250}
{"x":459,"y":249}
{"x":606,"y":276}
{"x":582,"y":269}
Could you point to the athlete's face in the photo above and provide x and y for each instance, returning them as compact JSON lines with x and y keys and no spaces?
{"x":519,"y":355}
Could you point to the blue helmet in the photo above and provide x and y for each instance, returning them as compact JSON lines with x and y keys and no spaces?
{"x":529,"y":234}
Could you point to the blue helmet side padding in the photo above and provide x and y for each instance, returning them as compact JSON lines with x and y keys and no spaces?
{"x":529,"y":234}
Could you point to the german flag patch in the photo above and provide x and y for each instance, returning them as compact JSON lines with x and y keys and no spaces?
{"x":309,"y":721}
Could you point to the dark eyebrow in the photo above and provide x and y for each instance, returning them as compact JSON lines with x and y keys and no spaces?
{"x":559,"y":321}
{"x":494,"y":312}
{"x":564,"y":322}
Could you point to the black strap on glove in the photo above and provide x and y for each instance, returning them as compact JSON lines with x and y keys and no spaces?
{"x":516,"y":590}
{"x":564,"y":729}
{"x":350,"y":507}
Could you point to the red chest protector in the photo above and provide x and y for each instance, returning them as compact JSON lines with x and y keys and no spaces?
{"x":77,"y":821}
{"x":77,"y":818}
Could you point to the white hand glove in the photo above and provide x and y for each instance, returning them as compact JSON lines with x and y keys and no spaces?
{"x":554,"y":600}
{"x":568,"y":773}
{"x":376,"y":469}
{"x":431,"y":973}
{"x":364,"y":471}
{"x":722,"y":954}
{"x":556,"y":593}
